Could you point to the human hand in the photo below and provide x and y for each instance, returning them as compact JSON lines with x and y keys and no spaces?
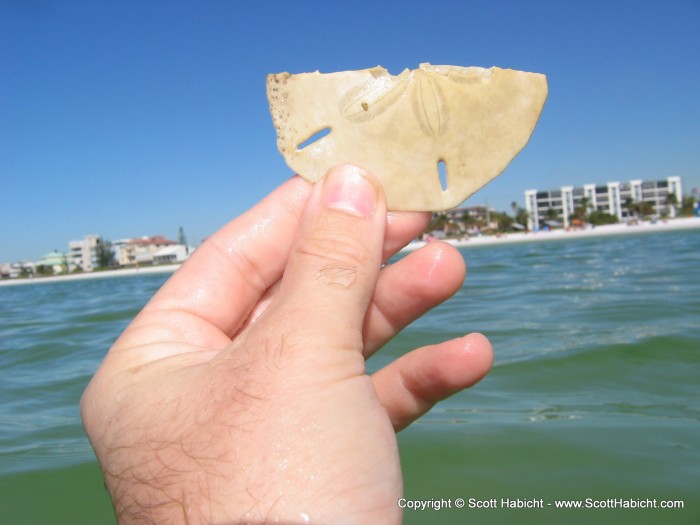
{"x":239,"y":393}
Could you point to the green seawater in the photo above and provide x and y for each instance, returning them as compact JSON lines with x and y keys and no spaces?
{"x":595,"y":392}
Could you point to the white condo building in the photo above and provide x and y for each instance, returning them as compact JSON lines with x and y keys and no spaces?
{"x":610,"y":198}
{"x":83,"y":254}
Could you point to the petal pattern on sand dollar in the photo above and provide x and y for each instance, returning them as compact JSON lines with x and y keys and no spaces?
{"x":373,"y":97}
{"x":429,"y":105}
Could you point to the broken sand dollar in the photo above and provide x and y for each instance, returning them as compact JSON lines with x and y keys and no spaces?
{"x":406,"y":128}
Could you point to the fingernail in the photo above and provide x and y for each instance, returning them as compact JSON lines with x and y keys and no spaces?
{"x":346,"y":188}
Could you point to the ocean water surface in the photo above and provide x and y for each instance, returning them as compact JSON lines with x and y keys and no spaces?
{"x":594,"y":396}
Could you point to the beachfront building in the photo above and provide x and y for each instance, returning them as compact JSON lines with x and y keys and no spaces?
{"x":142,"y":250}
{"x":555,"y":207}
{"x":53,"y":263}
{"x":173,"y":254}
{"x":17,"y":269}
{"x":124,"y":252}
{"x":469,"y":213}
{"x":9,"y":271}
{"x":83,"y":253}
{"x":465,"y":220}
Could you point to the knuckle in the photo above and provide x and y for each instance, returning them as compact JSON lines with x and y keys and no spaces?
{"x":339,"y":248}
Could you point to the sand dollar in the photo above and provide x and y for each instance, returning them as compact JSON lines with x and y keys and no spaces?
{"x":401,"y":128}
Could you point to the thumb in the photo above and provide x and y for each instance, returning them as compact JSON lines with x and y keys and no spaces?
{"x":334,"y":263}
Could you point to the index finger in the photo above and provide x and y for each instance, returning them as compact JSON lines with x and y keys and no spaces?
{"x":226,"y":276}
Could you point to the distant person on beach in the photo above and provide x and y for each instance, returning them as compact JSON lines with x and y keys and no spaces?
{"x":239,"y":393}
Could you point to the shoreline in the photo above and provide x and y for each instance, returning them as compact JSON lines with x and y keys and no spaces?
{"x":123,"y":272}
{"x":608,"y":230}
{"x":685,"y":223}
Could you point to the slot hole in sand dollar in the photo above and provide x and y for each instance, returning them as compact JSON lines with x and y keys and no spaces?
{"x":442,"y":171}
{"x":314,"y":138}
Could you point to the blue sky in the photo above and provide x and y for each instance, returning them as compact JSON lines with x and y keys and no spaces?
{"x":131,"y":118}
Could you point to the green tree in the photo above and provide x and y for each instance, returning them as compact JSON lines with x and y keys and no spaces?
{"x":632,"y":207}
{"x":105,"y":254}
{"x":437,"y":222}
{"x":581,"y":211}
{"x":502,"y":219}
{"x":181,"y":239}
{"x":44,"y":270}
{"x":600,"y":217}
{"x":645,"y":209}
{"x":672,"y":203}
{"x":687,"y":205}
{"x":552,"y":214}
{"x":520,"y":214}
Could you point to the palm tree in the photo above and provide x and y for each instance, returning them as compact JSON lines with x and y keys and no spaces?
{"x":105,"y":254}
{"x":586,"y":204}
{"x":632,"y":207}
{"x":181,"y":239}
{"x":581,"y":211}
{"x":671,"y":202}
{"x":552,"y":214}
{"x":522,"y":216}
{"x":688,"y":205}
{"x":645,"y":208}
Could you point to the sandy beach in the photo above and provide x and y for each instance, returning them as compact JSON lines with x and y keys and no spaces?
{"x":685,"y":223}
{"x":124,"y":272}
{"x":484,"y":240}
